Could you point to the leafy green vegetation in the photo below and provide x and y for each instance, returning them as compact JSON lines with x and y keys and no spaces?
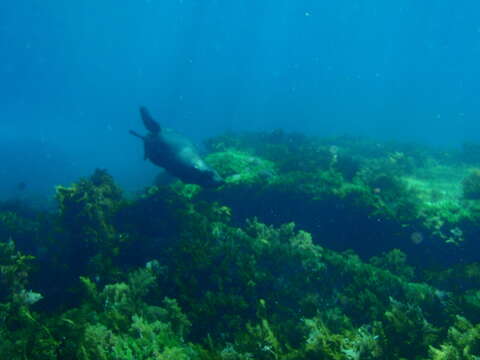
{"x":313,"y":249}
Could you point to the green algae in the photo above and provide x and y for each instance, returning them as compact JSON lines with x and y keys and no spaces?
{"x":246,"y":271}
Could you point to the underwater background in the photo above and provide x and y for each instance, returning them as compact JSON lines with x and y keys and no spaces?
{"x":73,"y":75}
{"x":347,"y":222}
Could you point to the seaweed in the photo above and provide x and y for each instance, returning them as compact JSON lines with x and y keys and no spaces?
{"x":313,"y":249}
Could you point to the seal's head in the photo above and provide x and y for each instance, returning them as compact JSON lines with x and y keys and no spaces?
{"x":206,"y":176}
{"x":211,"y":179}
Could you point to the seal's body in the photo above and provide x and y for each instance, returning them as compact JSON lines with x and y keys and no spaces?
{"x":176,"y":154}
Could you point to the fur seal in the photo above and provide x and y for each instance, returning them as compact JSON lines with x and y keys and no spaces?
{"x":175,"y":153}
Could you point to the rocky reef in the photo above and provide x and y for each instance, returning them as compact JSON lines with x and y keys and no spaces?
{"x":339,"y":248}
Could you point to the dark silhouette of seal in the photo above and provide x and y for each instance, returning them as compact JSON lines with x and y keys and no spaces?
{"x":176,"y":154}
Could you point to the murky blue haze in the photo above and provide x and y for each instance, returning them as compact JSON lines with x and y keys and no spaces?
{"x":72,"y":74}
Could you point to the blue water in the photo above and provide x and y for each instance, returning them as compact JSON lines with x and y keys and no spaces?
{"x":72,"y":74}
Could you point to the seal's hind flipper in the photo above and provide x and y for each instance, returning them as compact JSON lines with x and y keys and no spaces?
{"x":148,"y":121}
{"x":134,"y":133}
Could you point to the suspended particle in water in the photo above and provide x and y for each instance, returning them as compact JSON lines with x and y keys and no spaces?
{"x":416,"y":238}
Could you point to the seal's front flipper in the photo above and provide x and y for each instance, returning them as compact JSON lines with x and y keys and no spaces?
{"x":148,"y":121}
